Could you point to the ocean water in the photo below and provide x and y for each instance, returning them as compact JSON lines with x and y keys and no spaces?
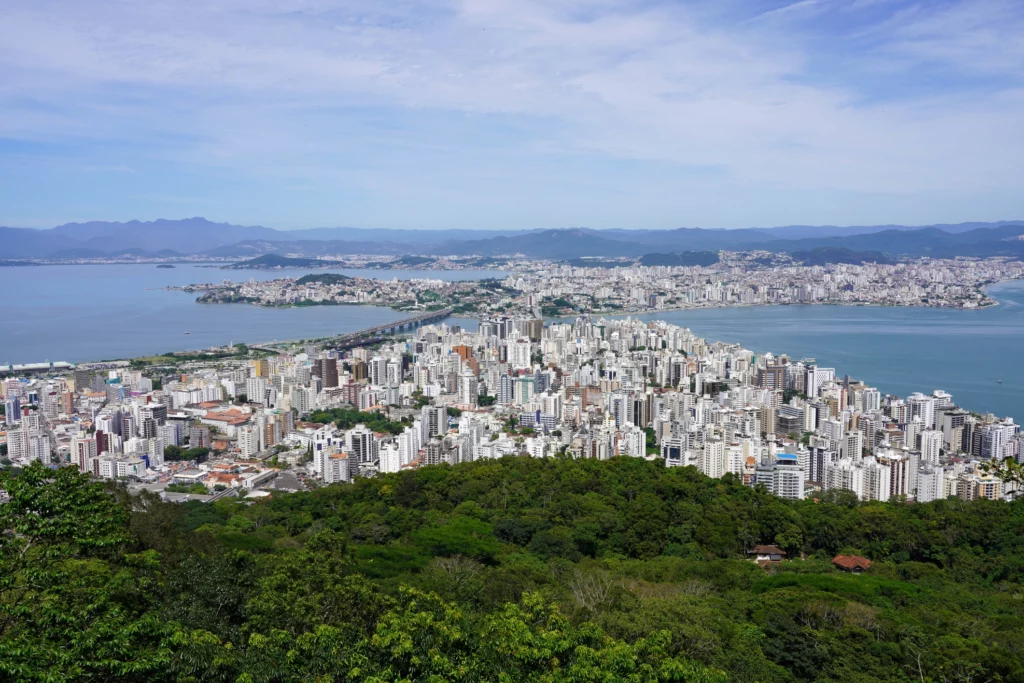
{"x":85,"y":313}
{"x":89,"y":313}
{"x":898,"y":350}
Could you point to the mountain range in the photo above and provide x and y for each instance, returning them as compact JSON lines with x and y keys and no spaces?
{"x":198,"y":237}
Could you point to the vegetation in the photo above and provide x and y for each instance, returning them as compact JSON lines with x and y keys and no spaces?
{"x":277,"y":261}
{"x":821,"y":256}
{"x":173,"y":357}
{"x":324,"y":279}
{"x":685,"y":258}
{"x":347,"y":418}
{"x":188,"y":488}
{"x":172,"y":452}
{"x":789,"y":394}
{"x":518,"y":569}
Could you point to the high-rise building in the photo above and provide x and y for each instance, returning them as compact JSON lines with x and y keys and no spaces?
{"x":782,"y":475}
{"x":772,"y":377}
{"x":519,"y":352}
{"x":199,"y":437}
{"x":533,"y":329}
{"x":83,"y":449}
{"x":506,"y":393}
{"x":434,"y":420}
{"x":12,"y":410}
{"x":468,"y":386}
{"x":327,"y":370}
{"x":852,"y":446}
{"x":931,"y":444}
{"x":377,"y":371}
{"x":248,"y":440}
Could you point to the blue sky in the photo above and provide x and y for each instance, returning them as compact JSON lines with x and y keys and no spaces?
{"x":512,"y":113}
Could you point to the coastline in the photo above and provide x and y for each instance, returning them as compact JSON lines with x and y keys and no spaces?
{"x":606,"y":313}
{"x":987,"y":302}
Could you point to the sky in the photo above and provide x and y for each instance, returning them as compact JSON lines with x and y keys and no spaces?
{"x":512,"y":113}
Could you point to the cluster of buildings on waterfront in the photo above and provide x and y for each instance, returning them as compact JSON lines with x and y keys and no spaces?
{"x":583,"y":389}
{"x":738,"y":279}
{"x":419,"y":294}
{"x":758,"y":278}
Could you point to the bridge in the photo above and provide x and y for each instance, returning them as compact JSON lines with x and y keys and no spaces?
{"x":370,"y":335}
{"x":355,"y":338}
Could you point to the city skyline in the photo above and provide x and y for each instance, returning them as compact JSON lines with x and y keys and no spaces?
{"x":494,"y":115}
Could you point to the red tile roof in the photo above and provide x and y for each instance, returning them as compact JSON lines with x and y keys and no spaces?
{"x":851,"y":562}
{"x":766,"y":550}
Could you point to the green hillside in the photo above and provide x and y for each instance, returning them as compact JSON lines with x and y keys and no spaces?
{"x":510,"y":570}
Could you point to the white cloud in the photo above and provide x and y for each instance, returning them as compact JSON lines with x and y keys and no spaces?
{"x":278,"y":87}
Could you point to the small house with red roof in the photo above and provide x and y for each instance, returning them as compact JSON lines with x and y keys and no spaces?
{"x":855,"y":564}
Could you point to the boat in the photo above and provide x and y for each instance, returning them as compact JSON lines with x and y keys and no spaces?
{"x":999,"y":381}
{"x":188,"y":333}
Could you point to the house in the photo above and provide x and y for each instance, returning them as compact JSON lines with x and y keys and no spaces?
{"x":851,"y":563}
{"x":765,"y":555}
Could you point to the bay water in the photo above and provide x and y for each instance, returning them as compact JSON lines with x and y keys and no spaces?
{"x":80,"y":313}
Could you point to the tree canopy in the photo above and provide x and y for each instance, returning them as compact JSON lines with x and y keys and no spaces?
{"x":516,"y":569}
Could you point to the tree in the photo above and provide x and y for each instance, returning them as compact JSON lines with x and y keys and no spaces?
{"x":1009,"y":471}
{"x":73,"y":604}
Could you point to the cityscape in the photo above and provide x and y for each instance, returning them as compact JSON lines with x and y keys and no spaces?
{"x":492,"y":341}
{"x":249,"y":421}
{"x":557,"y":289}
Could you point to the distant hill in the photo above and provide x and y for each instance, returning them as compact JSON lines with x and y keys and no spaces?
{"x":998,"y":241}
{"x":549,"y":244}
{"x":686,"y":258}
{"x":323,"y":278}
{"x":199,"y":237}
{"x":825,"y":255}
{"x":268,"y":261}
{"x":412,"y":261}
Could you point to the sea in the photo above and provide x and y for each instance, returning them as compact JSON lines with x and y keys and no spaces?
{"x":81,"y":313}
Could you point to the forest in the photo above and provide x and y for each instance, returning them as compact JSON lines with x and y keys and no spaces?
{"x":516,"y":569}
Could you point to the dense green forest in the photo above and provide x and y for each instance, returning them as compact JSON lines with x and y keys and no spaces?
{"x":517,"y":569}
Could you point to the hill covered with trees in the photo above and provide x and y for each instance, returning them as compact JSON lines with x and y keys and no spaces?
{"x":509,"y":570}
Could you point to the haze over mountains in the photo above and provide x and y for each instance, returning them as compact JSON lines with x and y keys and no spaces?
{"x":199,"y":237}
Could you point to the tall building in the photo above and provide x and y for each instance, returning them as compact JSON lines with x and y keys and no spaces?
{"x":533,"y":329}
{"x":199,"y":437}
{"x":519,"y":352}
{"x":12,"y":410}
{"x":772,"y":377}
{"x":377,"y":371}
{"x":83,"y":450}
{"x":852,"y":446}
{"x":782,"y":475}
{"x":248,"y":440}
{"x":931,"y":444}
{"x":924,"y":407}
{"x":468,"y":386}
{"x":361,"y":442}
{"x":261,"y":367}
{"x":434,"y":420}
{"x":327,"y":370}
{"x":506,"y":393}
{"x":713,"y":461}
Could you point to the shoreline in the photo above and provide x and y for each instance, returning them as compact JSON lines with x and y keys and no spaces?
{"x":606,"y":313}
{"x":594,"y":313}
{"x":986,"y":302}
